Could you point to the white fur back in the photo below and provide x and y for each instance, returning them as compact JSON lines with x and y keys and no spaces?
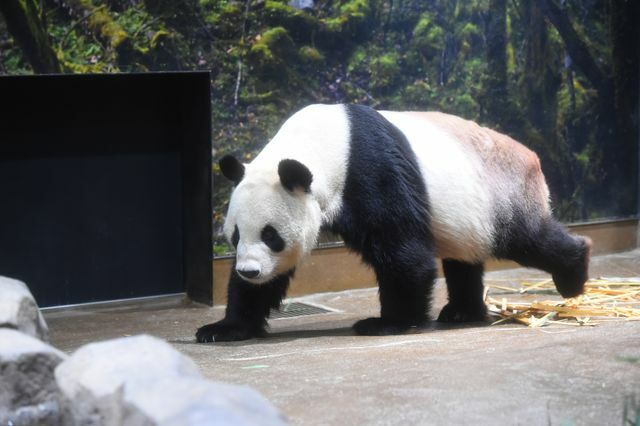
{"x":459,"y":195}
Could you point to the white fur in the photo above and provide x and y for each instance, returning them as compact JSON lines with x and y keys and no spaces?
{"x":324,"y":150}
{"x":460,"y":199}
{"x":260,"y":199}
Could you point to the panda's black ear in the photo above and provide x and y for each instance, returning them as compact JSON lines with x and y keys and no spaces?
{"x":231,"y":168}
{"x":294,"y":175}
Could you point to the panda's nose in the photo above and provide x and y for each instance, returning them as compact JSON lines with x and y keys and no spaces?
{"x":248,"y":273}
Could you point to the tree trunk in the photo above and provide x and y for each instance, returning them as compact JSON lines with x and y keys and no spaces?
{"x":24,"y":25}
{"x":541,"y":77}
{"x":625,"y":42}
{"x":495,"y":95}
{"x":541,"y":81}
{"x":617,"y":110}
{"x":576,"y":47}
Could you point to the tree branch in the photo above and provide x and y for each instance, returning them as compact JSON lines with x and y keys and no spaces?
{"x":25,"y":26}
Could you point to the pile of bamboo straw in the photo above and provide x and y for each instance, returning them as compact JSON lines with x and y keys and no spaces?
{"x":603,"y":299}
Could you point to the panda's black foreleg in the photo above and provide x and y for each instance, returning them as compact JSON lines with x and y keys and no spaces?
{"x":464,"y":284}
{"x":248,"y":308}
{"x":405,"y":277}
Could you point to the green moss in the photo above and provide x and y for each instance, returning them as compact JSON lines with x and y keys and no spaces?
{"x":352,"y":18}
{"x":511,"y":55}
{"x":385,"y":71}
{"x":356,"y":8}
{"x":230,"y":10}
{"x":423,"y":25}
{"x":428,"y":37}
{"x":310,"y":54}
{"x":300,"y":24}
{"x":276,"y":38}
{"x":468,"y":31}
{"x":158,"y":37}
{"x":277,"y":9}
{"x":272,"y":51}
{"x":224,"y":17}
{"x":101,"y":22}
{"x":357,"y":59}
{"x":417,"y":94}
{"x":465,"y":105}
{"x":335,"y":25}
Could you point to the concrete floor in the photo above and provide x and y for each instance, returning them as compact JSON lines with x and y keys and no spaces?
{"x":316,"y":371}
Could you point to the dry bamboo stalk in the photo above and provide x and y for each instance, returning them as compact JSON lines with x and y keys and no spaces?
{"x":499,"y":287}
{"x":539,"y":285}
{"x":599,"y":300}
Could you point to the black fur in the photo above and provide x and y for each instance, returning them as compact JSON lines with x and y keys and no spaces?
{"x":464,"y":283}
{"x":385,"y":218}
{"x":272,"y":239}
{"x":543,"y":243}
{"x":235,"y":238}
{"x":248,"y":307}
{"x":294,"y":174}
{"x":231,"y":168}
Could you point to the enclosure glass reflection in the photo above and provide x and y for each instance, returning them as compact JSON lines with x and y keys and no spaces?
{"x":559,"y":76}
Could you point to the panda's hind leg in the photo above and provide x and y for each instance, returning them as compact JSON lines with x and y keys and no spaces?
{"x":405,"y":276}
{"x":464,"y":284}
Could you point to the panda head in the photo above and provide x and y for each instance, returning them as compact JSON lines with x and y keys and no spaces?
{"x":273,"y":220}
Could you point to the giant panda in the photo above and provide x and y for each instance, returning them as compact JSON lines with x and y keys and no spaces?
{"x":400,"y":188}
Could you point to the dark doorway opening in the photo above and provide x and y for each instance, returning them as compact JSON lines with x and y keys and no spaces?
{"x":105,"y":185}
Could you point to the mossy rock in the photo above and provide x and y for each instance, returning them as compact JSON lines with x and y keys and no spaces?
{"x":310,"y":55}
{"x":352,"y":23}
{"x":300,"y":24}
{"x":271,"y":53}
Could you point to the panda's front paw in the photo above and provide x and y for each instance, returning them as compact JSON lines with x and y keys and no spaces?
{"x":224,"y":331}
{"x":381,"y":327}
{"x":454,"y":313}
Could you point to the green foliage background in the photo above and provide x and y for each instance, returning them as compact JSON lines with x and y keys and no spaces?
{"x":267,"y":59}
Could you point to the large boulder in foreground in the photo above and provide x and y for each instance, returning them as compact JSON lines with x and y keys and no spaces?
{"x":190,"y":401}
{"x":19,"y":310}
{"x":142,"y":380}
{"x":28,"y":391}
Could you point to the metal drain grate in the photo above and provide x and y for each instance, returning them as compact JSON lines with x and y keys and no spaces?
{"x":296,"y":309}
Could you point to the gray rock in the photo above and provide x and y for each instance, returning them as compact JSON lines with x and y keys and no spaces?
{"x":142,"y":380}
{"x":95,"y":377}
{"x":19,"y":310}
{"x":28,"y":391}
{"x":191,"y":401}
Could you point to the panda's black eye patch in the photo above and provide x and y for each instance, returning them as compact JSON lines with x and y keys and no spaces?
{"x":272,"y":239}
{"x":235,"y":238}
